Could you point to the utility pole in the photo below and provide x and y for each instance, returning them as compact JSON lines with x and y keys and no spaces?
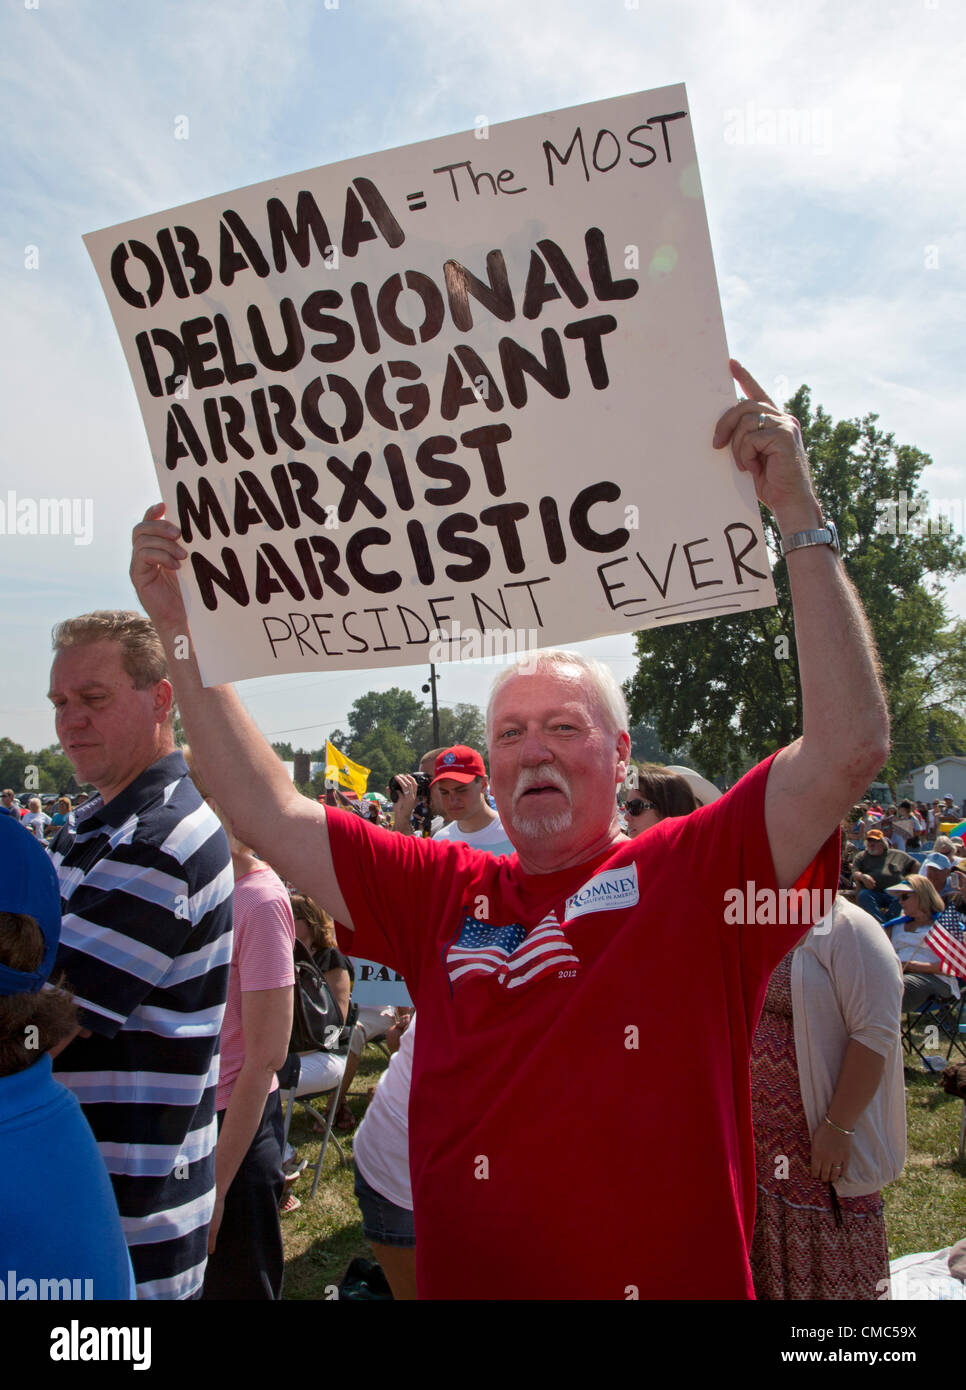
{"x":433,"y":678}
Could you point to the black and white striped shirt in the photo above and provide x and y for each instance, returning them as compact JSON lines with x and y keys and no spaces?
{"x":146,"y":888}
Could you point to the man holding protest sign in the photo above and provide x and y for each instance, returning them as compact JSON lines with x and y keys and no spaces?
{"x":533,"y":978}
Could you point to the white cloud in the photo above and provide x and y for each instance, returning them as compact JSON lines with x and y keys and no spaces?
{"x":821,"y":243}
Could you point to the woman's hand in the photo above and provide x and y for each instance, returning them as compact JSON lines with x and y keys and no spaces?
{"x":831,"y":1152}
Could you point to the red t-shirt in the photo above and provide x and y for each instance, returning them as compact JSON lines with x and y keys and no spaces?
{"x":580,"y":1116}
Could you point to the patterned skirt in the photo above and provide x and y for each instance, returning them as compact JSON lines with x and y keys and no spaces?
{"x":798,"y":1250}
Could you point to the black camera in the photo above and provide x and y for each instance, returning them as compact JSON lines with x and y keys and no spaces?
{"x":423,"y":780}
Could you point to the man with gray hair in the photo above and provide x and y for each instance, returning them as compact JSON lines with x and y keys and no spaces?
{"x":534,"y":975}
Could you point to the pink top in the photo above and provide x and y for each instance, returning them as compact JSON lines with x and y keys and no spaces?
{"x":261,"y":958}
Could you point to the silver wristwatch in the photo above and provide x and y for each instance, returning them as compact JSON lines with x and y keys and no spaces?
{"x":828,"y":535}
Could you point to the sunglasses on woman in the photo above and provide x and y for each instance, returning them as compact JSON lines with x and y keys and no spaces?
{"x":637,"y":807}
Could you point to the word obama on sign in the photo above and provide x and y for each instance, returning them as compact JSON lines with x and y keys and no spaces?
{"x":407,"y":395}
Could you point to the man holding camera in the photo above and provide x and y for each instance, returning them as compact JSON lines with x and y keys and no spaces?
{"x":412,"y":805}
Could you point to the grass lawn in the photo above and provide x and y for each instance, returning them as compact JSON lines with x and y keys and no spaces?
{"x":925,"y":1209}
{"x":323,"y":1236}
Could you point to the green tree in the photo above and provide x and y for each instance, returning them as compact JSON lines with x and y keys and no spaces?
{"x":390,"y":730}
{"x":13,"y":764}
{"x":395,"y":707}
{"x":646,"y":747}
{"x":384,"y":752}
{"x":459,"y":723}
{"x":926,"y":723}
{"x":54,"y":767}
{"x":729,"y":687}
{"x":46,"y":771}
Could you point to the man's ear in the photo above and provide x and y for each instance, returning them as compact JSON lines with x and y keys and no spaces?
{"x":163,"y":700}
{"x":623,"y":754}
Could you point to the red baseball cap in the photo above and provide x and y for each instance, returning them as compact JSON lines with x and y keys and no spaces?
{"x":460,"y":763}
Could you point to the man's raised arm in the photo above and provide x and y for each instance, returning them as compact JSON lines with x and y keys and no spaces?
{"x":244,"y":775}
{"x":845,"y":724}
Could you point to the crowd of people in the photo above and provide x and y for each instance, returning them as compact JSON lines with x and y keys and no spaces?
{"x":826,"y":1044}
{"x":557,"y":897}
{"x":42,"y":816}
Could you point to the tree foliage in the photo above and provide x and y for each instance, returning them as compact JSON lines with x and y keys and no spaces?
{"x":646,"y":746}
{"x":397,"y":708}
{"x":460,"y":723}
{"x":729,"y":687}
{"x":390,"y":730}
{"x":47,"y":771}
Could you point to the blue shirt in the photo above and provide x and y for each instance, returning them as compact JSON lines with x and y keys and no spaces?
{"x":60,"y":1233}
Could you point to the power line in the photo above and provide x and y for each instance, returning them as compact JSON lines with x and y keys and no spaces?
{"x":304,"y":727}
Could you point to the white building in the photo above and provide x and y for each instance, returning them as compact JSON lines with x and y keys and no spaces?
{"x":944,"y":777}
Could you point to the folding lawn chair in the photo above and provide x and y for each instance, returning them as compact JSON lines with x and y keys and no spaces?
{"x":946,"y":1014}
{"x":288,"y":1080}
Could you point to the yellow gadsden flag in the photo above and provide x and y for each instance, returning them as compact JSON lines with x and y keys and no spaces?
{"x":339,"y":768}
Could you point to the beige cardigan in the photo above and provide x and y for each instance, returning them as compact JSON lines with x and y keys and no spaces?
{"x":847,"y":984}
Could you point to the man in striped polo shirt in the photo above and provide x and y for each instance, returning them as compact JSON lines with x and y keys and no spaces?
{"x":146,"y":885}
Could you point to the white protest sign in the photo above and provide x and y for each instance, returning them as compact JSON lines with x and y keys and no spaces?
{"x":377,"y":984}
{"x":446,"y":401}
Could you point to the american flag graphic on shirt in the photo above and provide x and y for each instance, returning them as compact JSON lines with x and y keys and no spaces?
{"x":515,"y":956}
{"x":951,"y":952}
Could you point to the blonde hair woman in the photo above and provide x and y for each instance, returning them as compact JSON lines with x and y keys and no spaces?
{"x":923,"y":972}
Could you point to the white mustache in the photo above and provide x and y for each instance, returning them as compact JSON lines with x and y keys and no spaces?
{"x":540,"y":777}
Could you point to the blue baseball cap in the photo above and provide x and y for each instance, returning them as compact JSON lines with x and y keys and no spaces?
{"x":937,"y":861}
{"x":28,"y":886}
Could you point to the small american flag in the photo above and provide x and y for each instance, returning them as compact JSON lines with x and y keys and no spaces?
{"x":516,"y":957}
{"x":951,"y":952}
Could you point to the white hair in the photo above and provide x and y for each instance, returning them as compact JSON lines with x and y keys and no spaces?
{"x":606,"y":692}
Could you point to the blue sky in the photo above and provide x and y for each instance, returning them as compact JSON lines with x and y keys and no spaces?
{"x":830,"y":145}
